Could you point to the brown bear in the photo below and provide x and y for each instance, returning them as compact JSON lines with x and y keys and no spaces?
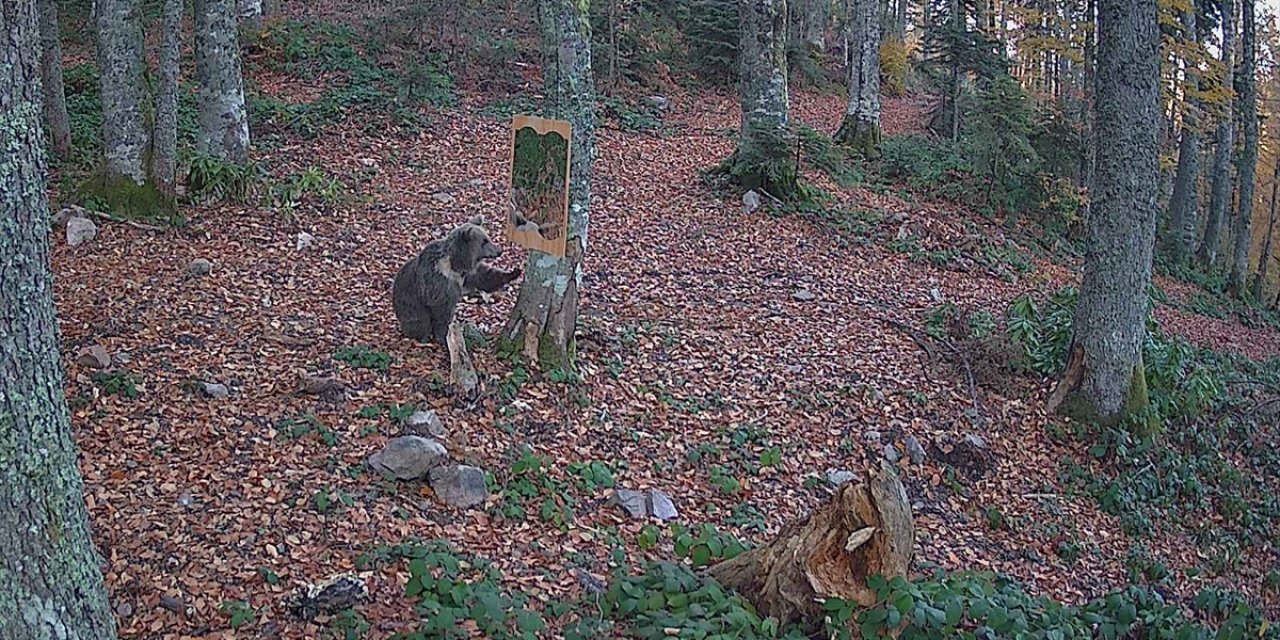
{"x":427,"y":288}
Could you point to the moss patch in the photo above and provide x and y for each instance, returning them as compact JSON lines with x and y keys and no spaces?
{"x":859,"y":137}
{"x":121,"y":196}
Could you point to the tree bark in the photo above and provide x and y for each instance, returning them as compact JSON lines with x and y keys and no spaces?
{"x":1180,"y":232}
{"x":1242,"y":230}
{"x":50,"y":582}
{"x":860,"y":128}
{"x":1264,"y":260}
{"x":223,"y":126}
{"x":164,"y":160}
{"x":55,"y":97}
{"x":250,"y":13}
{"x":124,"y":134}
{"x":1104,"y":380}
{"x":763,"y":158}
{"x":545,"y":315}
{"x":1220,"y":194}
{"x":864,"y":530}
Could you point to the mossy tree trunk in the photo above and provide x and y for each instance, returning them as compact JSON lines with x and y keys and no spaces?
{"x":1105,"y":380}
{"x":1220,"y":193}
{"x":50,"y":582}
{"x":1242,"y":230}
{"x":1180,"y":233}
{"x":764,"y":158}
{"x":864,"y":530}
{"x":124,"y":132}
{"x":1264,"y":259}
{"x":545,"y":315}
{"x":860,"y":128}
{"x":55,"y":97}
{"x":164,"y":161}
{"x":223,"y":130}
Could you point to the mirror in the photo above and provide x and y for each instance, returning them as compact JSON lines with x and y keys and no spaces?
{"x":539,"y":195}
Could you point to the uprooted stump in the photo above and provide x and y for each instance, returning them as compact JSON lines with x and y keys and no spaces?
{"x":864,"y":530}
{"x":461,"y":372}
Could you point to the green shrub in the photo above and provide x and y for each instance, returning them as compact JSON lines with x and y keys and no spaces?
{"x":214,"y":178}
{"x":454,"y":590}
{"x":362,"y":357}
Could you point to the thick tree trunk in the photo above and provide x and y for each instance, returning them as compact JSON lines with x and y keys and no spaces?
{"x":223,"y":125}
{"x":250,"y":13}
{"x":50,"y":582}
{"x":546,"y":312}
{"x":1264,"y":260}
{"x":1180,"y":233}
{"x":860,"y":129}
{"x":55,"y":98}
{"x":763,"y":158}
{"x":864,"y":530}
{"x":815,"y":25}
{"x":1220,"y":194}
{"x":1089,"y":161}
{"x":164,"y":160}
{"x":1104,"y":380}
{"x":1242,"y":230}
{"x":124,"y":134}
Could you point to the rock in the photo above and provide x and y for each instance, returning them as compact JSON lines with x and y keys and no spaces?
{"x":837,"y":477}
{"x":804,"y":295}
{"x":633,"y":502}
{"x":175,"y":605}
{"x":409,"y":457}
{"x":80,"y":231}
{"x":442,"y":197}
{"x":475,"y":183}
{"x":303,"y":241}
{"x":124,"y":609}
{"x":659,"y":101}
{"x":68,"y":212}
{"x":94,"y":356}
{"x":935,"y":294}
{"x":891,"y":453}
{"x":974,"y":440}
{"x":871,"y":437}
{"x":750,"y":202}
{"x":661,"y":507}
{"x":325,"y":387}
{"x":459,"y":485}
{"x":914,"y":450}
{"x":590,"y":583}
{"x":215,"y":390}
{"x":200,"y":267}
{"x":426,"y":422}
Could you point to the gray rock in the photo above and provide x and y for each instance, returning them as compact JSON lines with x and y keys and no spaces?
{"x":442,"y":197}
{"x":475,"y":182}
{"x":661,"y":507}
{"x":804,"y":295}
{"x":409,"y":457}
{"x":200,"y":267}
{"x":891,"y":453}
{"x":186,"y":499}
{"x":871,"y":437}
{"x":837,"y":477}
{"x":459,"y":485}
{"x":94,"y":356}
{"x":976,"y":441}
{"x":935,"y":294}
{"x":659,"y":101}
{"x":80,"y":231}
{"x":303,"y":241}
{"x":914,"y":450}
{"x":215,"y":390}
{"x":633,"y":502}
{"x":426,"y":421}
{"x":68,"y":212}
{"x":750,"y":202}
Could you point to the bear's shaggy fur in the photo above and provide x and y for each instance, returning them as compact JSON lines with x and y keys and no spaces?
{"x":427,"y":288}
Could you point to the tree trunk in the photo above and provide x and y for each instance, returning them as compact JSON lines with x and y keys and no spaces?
{"x":815,"y":25}
{"x":1242,"y":231}
{"x":250,"y":13}
{"x":546,"y":312}
{"x":864,"y":530}
{"x":1180,"y":233}
{"x":1220,"y":194}
{"x":1089,"y":162}
{"x":164,"y":160}
{"x":55,"y":98}
{"x":763,"y":158}
{"x":1104,"y":380}
{"x":860,"y":129}
{"x":223,"y":126}
{"x":50,"y":582}
{"x":124,"y":134}
{"x":1264,"y":260}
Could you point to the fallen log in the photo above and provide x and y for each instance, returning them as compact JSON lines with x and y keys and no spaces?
{"x":864,"y":530}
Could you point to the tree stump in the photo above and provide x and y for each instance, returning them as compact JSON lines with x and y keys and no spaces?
{"x":864,"y":530}
{"x":461,"y":372}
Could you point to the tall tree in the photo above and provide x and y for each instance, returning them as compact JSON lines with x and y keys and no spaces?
{"x":1180,"y":234}
{"x":223,"y":123}
{"x":124,"y":134}
{"x":50,"y":582}
{"x":1104,"y":379}
{"x":1242,"y":234}
{"x":545,"y":315}
{"x":860,"y":128}
{"x":1264,"y":259}
{"x":763,"y":158}
{"x":164,"y":159}
{"x":1220,"y":194}
{"x":55,"y":98}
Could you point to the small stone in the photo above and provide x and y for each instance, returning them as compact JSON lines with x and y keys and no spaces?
{"x":750,"y":202}
{"x":68,"y":212}
{"x":660,"y":102}
{"x":661,"y":507}
{"x":215,"y":390}
{"x":303,"y":241}
{"x":804,"y":295}
{"x":914,"y":450}
{"x":935,"y":294}
{"x":837,"y":477}
{"x":94,"y":356}
{"x":409,"y":457}
{"x":428,"y":422}
{"x":80,"y":231}
{"x":442,"y":197}
{"x":200,"y":267}
{"x":173,"y":604}
{"x":475,"y":183}
{"x":871,"y":437}
{"x":124,"y":609}
{"x":891,"y":453}
{"x":186,"y":499}
{"x":459,"y":485}
{"x":976,"y":441}
{"x":632,"y":502}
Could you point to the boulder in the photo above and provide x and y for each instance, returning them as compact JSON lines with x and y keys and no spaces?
{"x":94,"y":356}
{"x":409,"y":457}
{"x":200,"y":267}
{"x":80,"y":231}
{"x":661,"y":506}
{"x":426,"y":422}
{"x":215,"y":390}
{"x":750,"y":202}
{"x":459,"y":485}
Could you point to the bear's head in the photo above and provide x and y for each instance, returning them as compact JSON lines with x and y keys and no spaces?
{"x":469,"y":245}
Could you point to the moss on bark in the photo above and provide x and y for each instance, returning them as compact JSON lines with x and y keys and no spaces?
{"x":859,"y":137}
{"x":124,"y":197}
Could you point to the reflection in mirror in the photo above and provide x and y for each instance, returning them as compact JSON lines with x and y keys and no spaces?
{"x":539,"y":184}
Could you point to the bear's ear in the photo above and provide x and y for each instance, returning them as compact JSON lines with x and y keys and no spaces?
{"x":477,"y":220}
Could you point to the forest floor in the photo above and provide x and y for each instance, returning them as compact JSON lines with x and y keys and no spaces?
{"x":696,"y":358}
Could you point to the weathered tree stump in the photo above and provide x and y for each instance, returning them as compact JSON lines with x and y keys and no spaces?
{"x":461,"y":372}
{"x":864,"y":530}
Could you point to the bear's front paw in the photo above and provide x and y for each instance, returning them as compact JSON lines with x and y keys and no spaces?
{"x":513,"y":275}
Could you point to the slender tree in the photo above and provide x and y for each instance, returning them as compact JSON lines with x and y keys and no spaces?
{"x":763,"y":158}
{"x":1220,"y":194}
{"x":860,"y":128}
{"x":1104,"y":379}
{"x":1242,"y":233}
{"x":55,"y":98}
{"x":1180,"y":233}
{"x":124,"y":134}
{"x":545,"y":315}
{"x":50,"y":582}
{"x":1264,"y":259}
{"x":223,"y":122}
{"x":164,"y":157}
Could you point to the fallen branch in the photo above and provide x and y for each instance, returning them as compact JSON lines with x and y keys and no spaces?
{"x":925,"y":342}
{"x":133,"y":223}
